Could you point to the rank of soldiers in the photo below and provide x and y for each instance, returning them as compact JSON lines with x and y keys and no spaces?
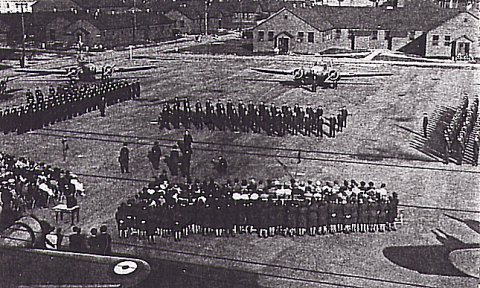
{"x":64,"y":103}
{"x":457,"y":133}
{"x":268,"y":208}
{"x":271,"y":119}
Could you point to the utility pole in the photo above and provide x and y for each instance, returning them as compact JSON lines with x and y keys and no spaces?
{"x":206,"y":17}
{"x":23,"y":59}
{"x":134,"y":32}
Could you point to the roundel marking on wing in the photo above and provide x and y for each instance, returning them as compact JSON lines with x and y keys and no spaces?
{"x":125,"y":267}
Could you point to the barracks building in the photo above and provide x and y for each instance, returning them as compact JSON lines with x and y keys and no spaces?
{"x":429,"y":31}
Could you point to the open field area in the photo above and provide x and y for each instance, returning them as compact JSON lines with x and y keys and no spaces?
{"x":376,"y":146}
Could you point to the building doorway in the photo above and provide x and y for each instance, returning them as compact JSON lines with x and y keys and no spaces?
{"x":463,"y":49}
{"x":283,"y":45}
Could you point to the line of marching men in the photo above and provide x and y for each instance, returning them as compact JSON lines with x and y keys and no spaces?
{"x":272,"y":119}
{"x":457,"y":133}
{"x":64,"y":103}
{"x":289,"y":209}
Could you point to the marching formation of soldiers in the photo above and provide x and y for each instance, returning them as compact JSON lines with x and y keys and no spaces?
{"x":458,"y":132}
{"x":64,"y":103}
{"x":268,"y":208}
{"x":272,"y":119}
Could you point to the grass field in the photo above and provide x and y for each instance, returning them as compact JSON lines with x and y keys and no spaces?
{"x":386,"y":116}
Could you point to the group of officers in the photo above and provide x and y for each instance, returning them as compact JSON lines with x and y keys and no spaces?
{"x":64,"y":103}
{"x":272,"y":208}
{"x":272,"y":119}
{"x":459,"y":131}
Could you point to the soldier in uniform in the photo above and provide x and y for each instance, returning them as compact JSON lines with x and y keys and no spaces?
{"x":448,"y":145}
{"x":187,"y":140}
{"x":476,"y":147}
{"x":102,"y":105}
{"x":173,"y":160}
{"x":164,"y":119}
{"x":209,"y":115}
{"x":242,"y":114}
{"x":124,"y":158}
{"x":333,"y":124}
{"x":339,"y":122}
{"x":425,"y":124}
{"x":345,"y":114}
{"x":198,"y":116}
{"x":154,"y":155}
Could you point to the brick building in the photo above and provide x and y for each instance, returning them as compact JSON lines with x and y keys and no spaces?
{"x":190,"y":17}
{"x":456,"y":38}
{"x":188,"y":20}
{"x":109,"y":30}
{"x":320,"y":28}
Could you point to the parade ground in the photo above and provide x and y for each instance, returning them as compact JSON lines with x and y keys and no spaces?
{"x":380,"y":144}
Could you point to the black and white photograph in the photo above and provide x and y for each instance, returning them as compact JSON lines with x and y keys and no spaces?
{"x":239,"y":143}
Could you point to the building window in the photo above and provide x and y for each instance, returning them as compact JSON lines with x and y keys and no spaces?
{"x":300,"y":36}
{"x":181,"y":23}
{"x":435,"y":40}
{"x":411,"y":35}
{"x":350,"y":34}
{"x":311,"y":37}
{"x":374,"y":35}
{"x":270,"y":35}
{"x":387,"y":34}
{"x":447,"y":41}
{"x":261,"y":35}
{"x":338,"y":33}
{"x":285,"y":17}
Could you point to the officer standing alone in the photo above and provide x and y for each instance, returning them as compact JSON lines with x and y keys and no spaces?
{"x":124,"y":158}
{"x":425,"y":124}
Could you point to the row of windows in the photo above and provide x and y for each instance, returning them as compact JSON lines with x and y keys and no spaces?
{"x":436,"y":40}
{"x":300,"y":36}
{"x":337,"y":35}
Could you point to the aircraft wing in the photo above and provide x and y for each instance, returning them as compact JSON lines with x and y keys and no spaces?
{"x":274,"y":71}
{"x":43,"y":71}
{"x":23,"y":265}
{"x":39,"y":268}
{"x":364,"y":74}
{"x":134,"y":68}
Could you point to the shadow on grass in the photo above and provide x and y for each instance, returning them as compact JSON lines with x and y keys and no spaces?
{"x":472,"y":224}
{"x":429,"y":259}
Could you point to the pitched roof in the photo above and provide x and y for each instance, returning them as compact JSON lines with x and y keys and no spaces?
{"x":373,"y":18}
{"x":313,"y":18}
{"x":190,"y":11}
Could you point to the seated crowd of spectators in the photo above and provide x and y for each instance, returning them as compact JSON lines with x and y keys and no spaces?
{"x":458,"y":131}
{"x":272,"y":119}
{"x":64,"y":103}
{"x":266,"y":207}
{"x":25,"y":184}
